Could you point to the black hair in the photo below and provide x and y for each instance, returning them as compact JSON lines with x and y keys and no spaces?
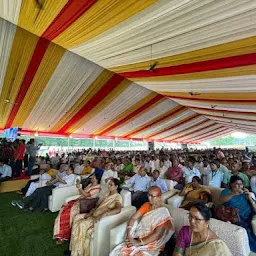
{"x":234,"y":178}
{"x":156,"y":171}
{"x":71,"y":167}
{"x":197,"y":179}
{"x":204,"y":210}
{"x":192,"y":159}
{"x":117,"y":183}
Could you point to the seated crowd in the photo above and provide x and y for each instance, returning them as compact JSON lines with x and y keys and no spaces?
{"x":102,"y":175}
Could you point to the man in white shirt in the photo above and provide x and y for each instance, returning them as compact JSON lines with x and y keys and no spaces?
{"x":79,"y":167}
{"x":40,"y":197}
{"x":5,"y":171}
{"x":190,"y":171}
{"x":108,"y":174}
{"x":167,"y":162}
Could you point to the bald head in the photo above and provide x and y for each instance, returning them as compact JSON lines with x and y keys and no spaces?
{"x":155,"y":191}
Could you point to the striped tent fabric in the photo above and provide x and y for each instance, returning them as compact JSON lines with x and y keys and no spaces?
{"x":167,"y":70}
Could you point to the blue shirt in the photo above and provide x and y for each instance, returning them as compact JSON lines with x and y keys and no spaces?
{"x":139,"y":183}
{"x":160,"y":183}
{"x":214,"y":179}
{"x":188,"y":174}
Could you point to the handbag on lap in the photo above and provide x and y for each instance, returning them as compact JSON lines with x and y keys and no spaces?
{"x":227,"y":213}
{"x":86,"y":205}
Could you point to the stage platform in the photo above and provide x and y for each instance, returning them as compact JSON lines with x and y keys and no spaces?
{"x":13,"y":185}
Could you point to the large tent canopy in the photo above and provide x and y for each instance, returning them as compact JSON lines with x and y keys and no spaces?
{"x":175,"y":70}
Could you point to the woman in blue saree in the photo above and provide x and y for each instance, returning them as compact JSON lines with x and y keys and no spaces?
{"x":238,"y":197}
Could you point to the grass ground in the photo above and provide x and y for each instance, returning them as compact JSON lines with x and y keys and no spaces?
{"x":26,"y":234}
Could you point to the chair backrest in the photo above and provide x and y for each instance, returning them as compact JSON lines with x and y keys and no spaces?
{"x":215,"y":194}
{"x":234,"y":236}
{"x":253,"y":184}
{"x":127,"y":198}
{"x":170,"y":183}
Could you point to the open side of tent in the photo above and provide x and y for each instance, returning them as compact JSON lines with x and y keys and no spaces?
{"x":181,"y":71}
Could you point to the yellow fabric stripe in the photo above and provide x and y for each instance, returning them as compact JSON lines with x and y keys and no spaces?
{"x":155,"y":119}
{"x":130,"y":110}
{"x":227,"y":72}
{"x":103,"y":15}
{"x":36,"y":19}
{"x":87,"y":95}
{"x":46,"y":69}
{"x":100,"y":107}
{"x":23,"y":47}
{"x":214,"y":96}
{"x":243,"y":46}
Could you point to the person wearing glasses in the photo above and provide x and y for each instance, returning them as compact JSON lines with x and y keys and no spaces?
{"x":198,"y":239}
{"x":82,"y":228}
{"x":153,"y":231}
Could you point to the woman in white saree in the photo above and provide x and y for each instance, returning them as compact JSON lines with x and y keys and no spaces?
{"x":154,"y":230}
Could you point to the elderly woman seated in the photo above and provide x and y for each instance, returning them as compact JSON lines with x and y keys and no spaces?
{"x":64,"y":220}
{"x":197,"y":239}
{"x":155,"y":228}
{"x":83,"y":224}
{"x":195,"y":193}
{"x":236,"y":196}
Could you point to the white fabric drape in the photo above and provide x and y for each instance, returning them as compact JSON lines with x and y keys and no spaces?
{"x":7,"y":32}
{"x":158,"y":127}
{"x":172,"y":27}
{"x":71,"y":78}
{"x":147,"y":116}
{"x":10,"y":10}
{"x":128,"y":98}
{"x":213,"y":85}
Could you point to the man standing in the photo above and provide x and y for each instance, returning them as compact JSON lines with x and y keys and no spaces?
{"x":18,"y":158}
{"x":32,"y":151}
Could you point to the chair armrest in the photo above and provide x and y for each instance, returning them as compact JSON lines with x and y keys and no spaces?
{"x":59,"y":196}
{"x":175,"y":200}
{"x":102,"y":230}
{"x":168,"y":194}
{"x":71,"y":198}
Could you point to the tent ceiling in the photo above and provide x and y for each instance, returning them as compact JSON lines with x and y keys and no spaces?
{"x":72,"y":66}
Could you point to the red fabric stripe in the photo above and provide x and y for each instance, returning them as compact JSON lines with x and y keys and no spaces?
{"x":133,"y":114}
{"x":69,"y":14}
{"x":33,"y":66}
{"x":174,"y":126}
{"x":212,"y":100}
{"x":229,"y":62}
{"x":111,"y":84}
{"x":65,"y":228}
{"x":202,"y":122}
{"x":157,"y":121}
